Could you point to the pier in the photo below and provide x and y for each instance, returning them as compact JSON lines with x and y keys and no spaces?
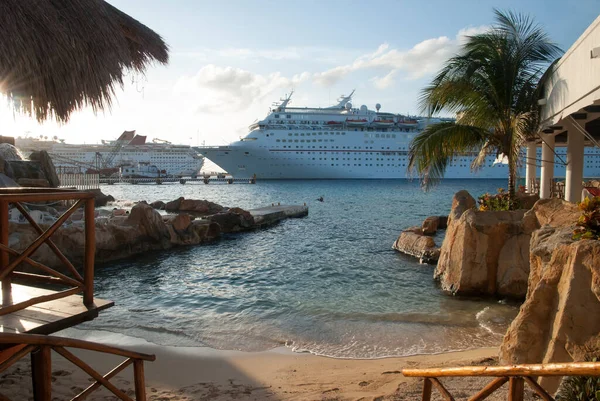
{"x":266,"y":216}
{"x":165,"y":180}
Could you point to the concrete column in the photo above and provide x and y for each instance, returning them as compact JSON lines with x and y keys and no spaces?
{"x":530,"y":167}
{"x":574,"y":177}
{"x":547,"y":177}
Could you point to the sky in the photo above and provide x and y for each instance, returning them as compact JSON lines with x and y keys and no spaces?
{"x":230,"y":60}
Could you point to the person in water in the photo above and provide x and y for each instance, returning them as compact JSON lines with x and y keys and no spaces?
{"x":320,"y":199}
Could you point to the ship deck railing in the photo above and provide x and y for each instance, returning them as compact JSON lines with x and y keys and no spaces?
{"x":515,"y":375}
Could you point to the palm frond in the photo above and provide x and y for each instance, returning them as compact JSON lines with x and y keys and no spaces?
{"x":434,"y":148}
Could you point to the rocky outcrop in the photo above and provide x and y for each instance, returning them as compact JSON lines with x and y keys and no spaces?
{"x":234,"y":220}
{"x":412,"y":242}
{"x":142,"y":230}
{"x":47,"y":167}
{"x":196,"y":206}
{"x":433,"y":223}
{"x":484,"y":252}
{"x":159,"y":205}
{"x":559,"y":319}
{"x":101,"y":199}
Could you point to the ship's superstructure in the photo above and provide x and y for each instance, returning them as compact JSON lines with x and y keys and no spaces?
{"x":342,"y":142}
{"x":128,"y":150}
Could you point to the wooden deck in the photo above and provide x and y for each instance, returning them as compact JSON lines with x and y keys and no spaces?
{"x":48,"y":317}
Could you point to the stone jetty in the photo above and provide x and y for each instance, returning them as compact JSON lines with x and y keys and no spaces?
{"x":121,"y":234}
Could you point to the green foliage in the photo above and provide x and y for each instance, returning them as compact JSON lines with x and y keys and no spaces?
{"x":579,"y":388}
{"x":497,"y":202}
{"x":589,"y":221}
{"x":493,"y":85}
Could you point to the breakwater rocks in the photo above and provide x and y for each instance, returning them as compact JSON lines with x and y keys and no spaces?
{"x":38,"y":171}
{"x":121,"y":234}
{"x":558,"y":322}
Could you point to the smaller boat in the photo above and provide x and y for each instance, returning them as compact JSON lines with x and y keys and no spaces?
{"x":334,"y":123}
{"x":141,"y":170}
{"x":378,"y":122}
{"x":354,"y":122}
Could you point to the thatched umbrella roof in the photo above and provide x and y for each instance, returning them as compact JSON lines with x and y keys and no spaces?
{"x":57,"y":56}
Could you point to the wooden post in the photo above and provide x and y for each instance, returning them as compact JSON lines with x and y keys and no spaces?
{"x":426,"y":389}
{"x":516,"y":389}
{"x":4,"y":258}
{"x":90,"y":250}
{"x":41,"y":373}
{"x":138,"y":376}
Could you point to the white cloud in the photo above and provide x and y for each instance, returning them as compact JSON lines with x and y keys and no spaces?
{"x":422,"y":59}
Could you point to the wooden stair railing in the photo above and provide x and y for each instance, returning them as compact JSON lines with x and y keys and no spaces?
{"x":516,"y":375}
{"x":40,"y":347}
{"x":11,"y":258}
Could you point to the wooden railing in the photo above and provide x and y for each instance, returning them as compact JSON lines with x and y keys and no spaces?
{"x":40,"y":348}
{"x":515,"y":375}
{"x":11,"y":258}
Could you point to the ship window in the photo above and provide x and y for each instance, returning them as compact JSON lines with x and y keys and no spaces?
{"x":296,"y":134}
{"x":302,"y":134}
{"x":279,"y":140}
{"x":393,"y":135}
{"x":343,"y":133}
{"x":295,"y":140}
{"x":276,"y":115}
{"x":288,"y":116}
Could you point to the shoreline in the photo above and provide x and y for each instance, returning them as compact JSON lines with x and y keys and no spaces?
{"x":203,"y":373}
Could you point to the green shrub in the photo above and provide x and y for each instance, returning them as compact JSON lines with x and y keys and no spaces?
{"x":499,"y":201}
{"x":589,"y":221}
{"x":579,"y":388}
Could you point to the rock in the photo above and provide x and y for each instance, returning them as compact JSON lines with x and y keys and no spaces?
{"x":554,"y":212}
{"x":47,"y":165}
{"x":160,"y":205}
{"x":430,"y":225}
{"x":148,"y":221}
{"x":200,"y":207}
{"x":461,"y":202}
{"x":173,"y":206}
{"x":100,"y":199}
{"x":181,"y":222}
{"x":559,"y":319}
{"x":442,"y":222}
{"x":9,"y":152}
{"x":526,"y":201}
{"x":206,"y":230}
{"x":484,"y":252}
{"x":234,"y":220}
{"x":33,"y":182}
{"x":412,"y":242}
{"x":7,"y":182}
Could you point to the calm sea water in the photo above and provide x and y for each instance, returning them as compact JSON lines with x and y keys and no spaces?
{"x":328,"y":284}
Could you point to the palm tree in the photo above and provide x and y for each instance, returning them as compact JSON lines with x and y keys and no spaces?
{"x":493,"y":85}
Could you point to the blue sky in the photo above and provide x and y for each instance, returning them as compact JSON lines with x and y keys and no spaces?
{"x":231,"y":59}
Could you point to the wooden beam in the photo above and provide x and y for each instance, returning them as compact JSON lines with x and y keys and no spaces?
{"x":516,"y":389}
{"x":489,"y":389}
{"x":38,"y":300}
{"x":90,"y":250}
{"x":16,"y":355}
{"x":34,"y":339}
{"x":87,"y":369}
{"x":538,"y":389}
{"x":41,"y":373}
{"x":21,"y":277}
{"x":426,"y":390}
{"x":445,"y":393}
{"x":4,"y":257}
{"x":140,"y":383}
{"x":49,"y":242}
{"x":548,"y":369}
{"x":108,"y":376}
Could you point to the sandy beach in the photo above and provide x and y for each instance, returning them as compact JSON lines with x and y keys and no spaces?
{"x":206,"y":374}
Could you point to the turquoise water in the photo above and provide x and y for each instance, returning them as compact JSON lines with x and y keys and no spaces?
{"x":328,"y":284}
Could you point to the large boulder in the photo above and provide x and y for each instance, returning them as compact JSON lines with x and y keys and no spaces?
{"x":47,"y":166}
{"x":412,"y":242}
{"x":173,"y":206}
{"x":159,"y":205}
{"x":483,"y":252}
{"x":199,"y":207}
{"x":559,"y":320}
{"x":101,"y":199}
{"x":234,"y":220}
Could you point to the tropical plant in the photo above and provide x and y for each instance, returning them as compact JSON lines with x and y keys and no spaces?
{"x":589,"y":221}
{"x":497,"y":202}
{"x":493,"y":85}
{"x":579,"y":388}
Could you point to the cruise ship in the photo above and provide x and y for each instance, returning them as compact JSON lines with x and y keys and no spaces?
{"x":346,"y":142}
{"x":128,"y":150}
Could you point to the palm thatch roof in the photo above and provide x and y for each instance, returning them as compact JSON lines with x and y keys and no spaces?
{"x":57,"y":56}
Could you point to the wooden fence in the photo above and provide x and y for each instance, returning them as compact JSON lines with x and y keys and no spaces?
{"x":79,"y":181}
{"x":515,"y":375}
{"x":40,"y":348}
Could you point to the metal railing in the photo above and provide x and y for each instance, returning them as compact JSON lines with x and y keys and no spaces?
{"x":79,"y":181}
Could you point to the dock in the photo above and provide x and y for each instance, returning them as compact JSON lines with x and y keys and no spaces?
{"x":166,"y":180}
{"x":273,"y":214}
